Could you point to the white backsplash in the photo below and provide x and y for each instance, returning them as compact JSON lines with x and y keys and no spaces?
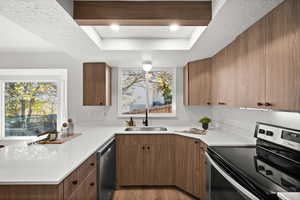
{"x":246,"y":119}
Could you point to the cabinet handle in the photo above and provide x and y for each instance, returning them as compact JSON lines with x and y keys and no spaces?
{"x":208,"y":103}
{"x":148,"y":148}
{"x":222,"y":103}
{"x":196,"y":142}
{"x":92,"y":164}
{"x":74,"y":182}
{"x":268,"y":104}
{"x":260,"y":104}
{"x":143,"y":147}
{"x":92,"y":184}
{"x":101,"y":103}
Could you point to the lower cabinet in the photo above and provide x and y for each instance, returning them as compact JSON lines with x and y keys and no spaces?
{"x":161,"y":160}
{"x":81,"y":184}
{"x":144,"y":160}
{"x":190,"y":166}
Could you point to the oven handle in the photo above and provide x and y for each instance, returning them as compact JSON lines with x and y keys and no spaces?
{"x":231,"y":180}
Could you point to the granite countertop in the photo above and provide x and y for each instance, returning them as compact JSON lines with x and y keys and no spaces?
{"x":51,"y":163}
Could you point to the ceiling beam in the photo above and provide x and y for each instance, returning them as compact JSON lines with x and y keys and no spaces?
{"x":143,"y":13}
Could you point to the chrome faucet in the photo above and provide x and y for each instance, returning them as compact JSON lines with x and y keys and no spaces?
{"x":145,"y":121}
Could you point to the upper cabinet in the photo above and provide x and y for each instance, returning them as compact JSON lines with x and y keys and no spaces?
{"x":96,"y":84}
{"x":197,"y":83}
{"x":283,"y":57}
{"x":261,"y":67}
{"x":250,"y":67}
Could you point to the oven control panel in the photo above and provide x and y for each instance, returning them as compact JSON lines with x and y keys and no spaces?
{"x":277,"y":176}
{"x":279,"y":135}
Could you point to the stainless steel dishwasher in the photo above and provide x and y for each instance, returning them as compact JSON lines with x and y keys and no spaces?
{"x":106,"y":171}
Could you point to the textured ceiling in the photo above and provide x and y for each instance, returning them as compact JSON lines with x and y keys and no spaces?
{"x":48,"y":20}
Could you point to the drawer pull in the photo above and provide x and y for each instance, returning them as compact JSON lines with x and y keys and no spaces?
{"x":75,"y":182}
{"x":148,"y":148}
{"x":92,"y":184}
{"x":92,"y":164}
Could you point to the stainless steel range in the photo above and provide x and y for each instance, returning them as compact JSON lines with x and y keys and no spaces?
{"x":257,"y":172}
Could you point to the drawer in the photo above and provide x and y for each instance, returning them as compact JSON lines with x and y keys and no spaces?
{"x":71,"y":183}
{"x":87,"y":167}
{"x":145,"y":139}
{"x":88,"y":189}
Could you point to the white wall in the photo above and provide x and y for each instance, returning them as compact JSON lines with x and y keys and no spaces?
{"x":103,"y":115}
{"x":246,"y":119}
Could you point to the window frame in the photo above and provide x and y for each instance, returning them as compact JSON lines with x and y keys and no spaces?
{"x":50,"y":75}
{"x":150,"y":115}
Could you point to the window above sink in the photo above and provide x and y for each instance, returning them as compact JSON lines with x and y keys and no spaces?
{"x":134,"y":90}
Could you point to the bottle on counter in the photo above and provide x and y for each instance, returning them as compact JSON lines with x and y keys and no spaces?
{"x":70,"y":127}
{"x":64,"y":130}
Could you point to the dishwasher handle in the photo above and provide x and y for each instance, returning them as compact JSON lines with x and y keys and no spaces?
{"x":233,"y":182}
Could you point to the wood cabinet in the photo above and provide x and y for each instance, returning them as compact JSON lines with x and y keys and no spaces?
{"x":166,"y":160}
{"x":283,"y":57}
{"x":223,"y":87}
{"x":197,"y":82}
{"x":250,"y":66}
{"x":261,"y":67}
{"x":81,"y":184}
{"x":144,"y":160}
{"x":190,"y":166}
{"x":96,"y":84}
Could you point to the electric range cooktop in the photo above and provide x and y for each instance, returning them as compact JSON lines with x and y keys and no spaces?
{"x":272,"y":166}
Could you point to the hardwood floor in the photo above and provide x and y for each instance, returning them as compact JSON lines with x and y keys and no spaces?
{"x":150,"y":194}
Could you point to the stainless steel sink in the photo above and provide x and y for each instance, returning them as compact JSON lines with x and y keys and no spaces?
{"x":146,"y":129}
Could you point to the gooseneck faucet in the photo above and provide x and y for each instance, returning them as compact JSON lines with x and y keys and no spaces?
{"x":145,"y":121}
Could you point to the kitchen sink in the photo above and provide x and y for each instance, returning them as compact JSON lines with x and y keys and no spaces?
{"x":146,"y":129}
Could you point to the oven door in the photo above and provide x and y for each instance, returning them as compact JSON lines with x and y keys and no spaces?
{"x":222,"y":187}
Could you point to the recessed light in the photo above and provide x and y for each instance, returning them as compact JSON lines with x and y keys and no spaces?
{"x":174,"y":27}
{"x":115,"y":27}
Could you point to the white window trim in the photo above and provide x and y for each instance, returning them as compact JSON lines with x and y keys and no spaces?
{"x":151,"y":115}
{"x":39,"y":75}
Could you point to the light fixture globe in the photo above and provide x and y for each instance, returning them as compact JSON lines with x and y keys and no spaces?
{"x":147,"y":66}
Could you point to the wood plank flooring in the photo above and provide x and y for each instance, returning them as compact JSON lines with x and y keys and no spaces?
{"x":150,"y":194}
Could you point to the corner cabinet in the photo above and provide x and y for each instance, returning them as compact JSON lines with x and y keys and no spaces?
{"x":161,"y":160}
{"x":96,"y":84}
{"x":190,"y":162}
{"x":197,"y":82}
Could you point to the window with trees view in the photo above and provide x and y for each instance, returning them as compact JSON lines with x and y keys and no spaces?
{"x":30,"y":108}
{"x":154,"y":90}
{"x":33,"y":104}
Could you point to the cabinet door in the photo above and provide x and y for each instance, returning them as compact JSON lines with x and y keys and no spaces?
{"x":190,"y":166}
{"x":251,"y":66}
{"x":223,"y":79}
{"x":159,"y":164}
{"x":199,"y":82}
{"x":96,"y":84}
{"x":130,"y":162}
{"x":88,"y":189}
{"x":283,"y":60}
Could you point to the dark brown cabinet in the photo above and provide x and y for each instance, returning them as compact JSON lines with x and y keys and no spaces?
{"x":197,"y":82}
{"x":96,"y":84}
